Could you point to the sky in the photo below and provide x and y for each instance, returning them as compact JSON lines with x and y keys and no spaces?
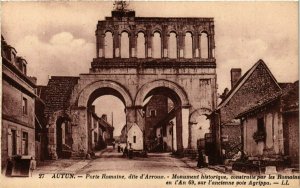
{"x":58,"y":38}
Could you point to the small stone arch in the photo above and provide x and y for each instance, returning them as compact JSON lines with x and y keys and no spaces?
{"x":204,"y":44}
{"x":85,"y":93}
{"x":126,"y":30}
{"x":188,"y":31}
{"x":172,"y":31}
{"x":199,"y":125}
{"x":52,"y":131}
{"x":109,"y":30}
{"x":146,"y":88}
{"x":204,"y":31}
{"x":188,"y":44}
{"x":199,"y":112}
{"x":172,"y":44}
{"x":156,"y":29}
{"x":141,"y":44}
{"x":141,"y":30}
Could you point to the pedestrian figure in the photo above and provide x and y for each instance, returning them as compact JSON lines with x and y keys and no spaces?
{"x":130,"y":152}
{"x":119,"y":148}
{"x":113,"y":143}
{"x":125,"y":151}
{"x":201,"y":159}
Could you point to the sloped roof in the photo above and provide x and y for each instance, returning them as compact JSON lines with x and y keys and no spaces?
{"x":290,"y":98}
{"x":265,"y":101}
{"x":104,"y":123}
{"x":58,"y":92}
{"x":243,"y":79}
{"x":130,"y":125}
{"x":285,"y":86}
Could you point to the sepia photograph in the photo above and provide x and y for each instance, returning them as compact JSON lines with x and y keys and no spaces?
{"x":149,"y":94}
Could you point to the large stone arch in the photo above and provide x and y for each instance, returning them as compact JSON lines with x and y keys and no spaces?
{"x":85,"y":93}
{"x":183,"y":106}
{"x":146,"y":88}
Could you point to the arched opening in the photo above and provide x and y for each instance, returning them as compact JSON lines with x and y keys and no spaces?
{"x":64,"y":139}
{"x":204,"y":45}
{"x":163,"y":120}
{"x":156,"y":45}
{"x":172,"y":45}
{"x":105,"y":118}
{"x":108,"y":45}
{"x":124,"y":45}
{"x":141,"y":45}
{"x":199,"y":128}
{"x":188,"y":48}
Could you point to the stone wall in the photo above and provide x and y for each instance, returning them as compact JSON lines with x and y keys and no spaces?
{"x":231,"y":137}
{"x":291,"y":126}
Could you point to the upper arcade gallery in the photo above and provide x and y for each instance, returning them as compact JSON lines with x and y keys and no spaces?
{"x":125,"y":36}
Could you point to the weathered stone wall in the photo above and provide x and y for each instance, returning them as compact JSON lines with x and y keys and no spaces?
{"x":272,"y":145}
{"x":231,"y":132}
{"x":291,"y":126}
{"x":196,"y":88}
{"x":198,"y":84}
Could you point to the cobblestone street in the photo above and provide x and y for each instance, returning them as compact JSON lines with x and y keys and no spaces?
{"x":110,"y":161}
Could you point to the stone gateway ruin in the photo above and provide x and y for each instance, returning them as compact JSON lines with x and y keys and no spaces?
{"x":139,"y":57}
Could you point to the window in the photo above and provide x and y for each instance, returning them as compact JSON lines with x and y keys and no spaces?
{"x":260,"y":134}
{"x":24,"y":106}
{"x":134,"y":139}
{"x":204,"y":45}
{"x":108,"y":45}
{"x":141,"y":45}
{"x":260,"y":125}
{"x":156,"y":45}
{"x":95,"y":137}
{"x":124,"y":45}
{"x":172,"y":45}
{"x":24,"y":143}
{"x":152,"y":113}
{"x":188,"y":47}
{"x":14,"y":142}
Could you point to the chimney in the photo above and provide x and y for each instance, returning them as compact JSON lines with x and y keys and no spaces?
{"x":104,"y":117}
{"x":33,"y":79}
{"x":235,"y":76}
